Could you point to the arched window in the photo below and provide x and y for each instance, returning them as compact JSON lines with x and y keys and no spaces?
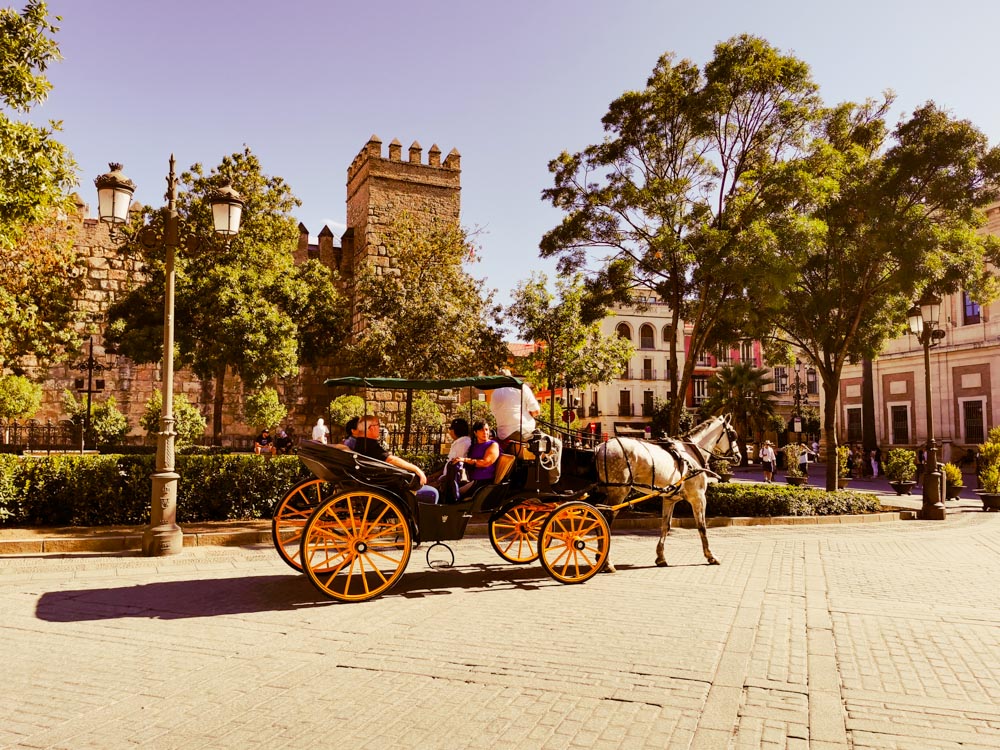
{"x":647,"y":337}
{"x":666,"y":335}
{"x":624,"y":331}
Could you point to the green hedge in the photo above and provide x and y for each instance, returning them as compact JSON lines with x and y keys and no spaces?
{"x":92,"y":490}
{"x":742,"y":499}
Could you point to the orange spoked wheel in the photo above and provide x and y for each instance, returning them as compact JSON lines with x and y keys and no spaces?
{"x":514,"y":530}
{"x":356,"y":545}
{"x":573,"y":542}
{"x":290,"y":516}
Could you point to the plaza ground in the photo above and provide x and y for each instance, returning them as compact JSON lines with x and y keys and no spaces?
{"x":853,"y":635}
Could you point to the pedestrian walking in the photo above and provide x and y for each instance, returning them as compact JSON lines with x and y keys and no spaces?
{"x":767,"y":460}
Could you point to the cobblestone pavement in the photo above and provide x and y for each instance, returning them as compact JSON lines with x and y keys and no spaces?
{"x":881,"y":635}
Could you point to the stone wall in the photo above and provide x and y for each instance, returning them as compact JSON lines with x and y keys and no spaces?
{"x":378,"y":188}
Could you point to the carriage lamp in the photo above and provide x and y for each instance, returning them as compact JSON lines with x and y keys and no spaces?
{"x":923,"y":319}
{"x":114,"y":194}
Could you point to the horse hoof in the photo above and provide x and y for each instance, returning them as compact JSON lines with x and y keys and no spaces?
{"x":608,"y":568}
{"x":712,"y":561}
{"x":661,"y":563}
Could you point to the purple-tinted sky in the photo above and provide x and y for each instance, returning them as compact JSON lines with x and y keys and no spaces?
{"x":510,"y":84}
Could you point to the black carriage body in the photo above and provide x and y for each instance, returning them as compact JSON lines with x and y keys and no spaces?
{"x":347,"y":469}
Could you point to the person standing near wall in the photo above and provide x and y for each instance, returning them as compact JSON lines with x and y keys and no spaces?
{"x":320,"y":433}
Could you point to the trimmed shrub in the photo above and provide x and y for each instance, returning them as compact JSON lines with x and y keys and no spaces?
{"x":767,"y":500}
{"x":95,"y":490}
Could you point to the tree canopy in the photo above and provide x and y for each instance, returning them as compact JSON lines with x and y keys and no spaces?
{"x":573,"y":351}
{"x":679,"y":195}
{"x":245,"y":306}
{"x":889,"y":215}
{"x":38,"y":279}
{"x":425,"y":316}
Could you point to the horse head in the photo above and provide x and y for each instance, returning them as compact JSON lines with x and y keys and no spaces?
{"x":731,"y":449}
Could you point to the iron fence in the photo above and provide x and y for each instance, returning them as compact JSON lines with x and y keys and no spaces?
{"x":33,"y":435}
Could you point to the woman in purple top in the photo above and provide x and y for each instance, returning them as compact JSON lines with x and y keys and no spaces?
{"x":481,"y":461}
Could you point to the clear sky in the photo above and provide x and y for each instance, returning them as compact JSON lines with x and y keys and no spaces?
{"x":510,"y":84}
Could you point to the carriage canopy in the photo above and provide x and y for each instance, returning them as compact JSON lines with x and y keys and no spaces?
{"x":482,"y":382}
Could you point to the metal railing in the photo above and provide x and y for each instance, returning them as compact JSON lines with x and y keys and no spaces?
{"x":33,"y":435}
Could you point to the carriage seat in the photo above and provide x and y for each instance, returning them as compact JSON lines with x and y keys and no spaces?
{"x":336,"y":466}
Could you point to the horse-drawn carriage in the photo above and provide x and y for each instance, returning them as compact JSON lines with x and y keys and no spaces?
{"x":351,"y":529}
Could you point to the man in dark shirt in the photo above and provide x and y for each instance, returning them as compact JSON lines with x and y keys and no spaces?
{"x":263,"y":445}
{"x":368,"y":445}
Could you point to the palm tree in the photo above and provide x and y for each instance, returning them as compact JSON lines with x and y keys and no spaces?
{"x":739,"y":390}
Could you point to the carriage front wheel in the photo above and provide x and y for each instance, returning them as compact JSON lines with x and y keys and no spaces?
{"x":514,"y":530}
{"x":573,"y":543}
{"x":356,"y":545}
{"x":290,"y":516}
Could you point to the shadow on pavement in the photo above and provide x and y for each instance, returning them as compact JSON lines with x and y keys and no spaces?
{"x":170,"y":600}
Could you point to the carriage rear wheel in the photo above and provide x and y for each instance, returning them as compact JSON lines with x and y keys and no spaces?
{"x":356,"y":545}
{"x":290,"y":516}
{"x":514,"y":530}
{"x":573,"y":542}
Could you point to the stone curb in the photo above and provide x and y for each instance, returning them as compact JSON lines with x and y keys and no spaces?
{"x":133,"y":542}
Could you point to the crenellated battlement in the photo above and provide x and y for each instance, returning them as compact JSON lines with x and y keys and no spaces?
{"x":372,"y":151}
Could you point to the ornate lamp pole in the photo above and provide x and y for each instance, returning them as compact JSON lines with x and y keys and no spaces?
{"x":800,"y":394}
{"x":114,"y":193}
{"x":90,"y":366}
{"x":923,"y":320}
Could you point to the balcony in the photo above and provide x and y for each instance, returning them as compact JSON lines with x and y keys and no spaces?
{"x":593,"y":411}
{"x":647,"y":410}
{"x":626,"y":410}
{"x":648,"y":373}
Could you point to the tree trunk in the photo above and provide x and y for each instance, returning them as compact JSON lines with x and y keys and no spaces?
{"x":218,"y":402}
{"x":830,"y":433}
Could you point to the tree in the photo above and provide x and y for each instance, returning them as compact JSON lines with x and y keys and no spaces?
{"x":679,"y":196}
{"x":19,"y":397}
{"x":189,"y":422}
{"x":344,"y":408}
{"x":427,"y":299}
{"x":246,"y":306}
{"x":573,"y":351}
{"x":108,"y":426}
{"x":263,"y":409}
{"x":37,"y":265}
{"x":739,"y":390}
{"x":887,"y":218}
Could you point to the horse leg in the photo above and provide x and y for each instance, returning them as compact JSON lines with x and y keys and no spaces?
{"x":697,"y":500}
{"x":665,"y":516}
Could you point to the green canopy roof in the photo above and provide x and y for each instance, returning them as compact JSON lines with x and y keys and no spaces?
{"x":483,"y":383}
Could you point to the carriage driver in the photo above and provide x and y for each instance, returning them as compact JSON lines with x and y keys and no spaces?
{"x":367,"y":444}
{"x":515,"y":410}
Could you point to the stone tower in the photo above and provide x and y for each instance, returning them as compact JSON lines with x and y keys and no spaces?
{"x":379,"y":188}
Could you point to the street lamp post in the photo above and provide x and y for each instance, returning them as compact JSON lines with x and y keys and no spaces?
{"x":923,"y":319}
{"x":90,"y":365}
{"x":801,"y":393}
{"x":114,"y":193}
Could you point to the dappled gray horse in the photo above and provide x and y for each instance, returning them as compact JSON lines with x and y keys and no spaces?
{"x":675,"y":472}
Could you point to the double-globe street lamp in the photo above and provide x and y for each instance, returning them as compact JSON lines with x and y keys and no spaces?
{"x":801,"y":394}
{"x":923,"y":319}
{"x":114,"y":194}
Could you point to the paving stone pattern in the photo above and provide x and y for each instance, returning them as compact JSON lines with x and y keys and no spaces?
{"x":865,"y":636}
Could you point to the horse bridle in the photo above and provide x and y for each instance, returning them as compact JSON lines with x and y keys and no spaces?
{"x":731,"y":436}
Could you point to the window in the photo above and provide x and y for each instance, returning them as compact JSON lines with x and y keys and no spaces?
{"x":625,"y":404}
{"x":973,"y":425}
{"x":700,"y":384}
{"x":746,"y":352}
{"x":593,"y":411}
{"x":647,"y":403}
{"x":666,"y":335}
{"x":854,"y":429}
{"x":781,"y":380}
{"x":624,"y":331}
{"x":970,"y":310}
{"x":899,"y":416}
{"x":646,"y":337}
{"x":812,"y":384}
{"x":647,"y":370}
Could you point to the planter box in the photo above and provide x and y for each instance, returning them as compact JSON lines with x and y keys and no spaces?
{"x":991,"y":500}
{"x":796,"y":481}
{"x":902,"y":488}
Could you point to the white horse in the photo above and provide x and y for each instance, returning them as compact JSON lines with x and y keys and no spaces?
{"x":678,"y":472}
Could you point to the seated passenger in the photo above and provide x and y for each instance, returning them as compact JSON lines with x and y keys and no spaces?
{"x":458,"y":430}
{"x":351,"y":430}
{"x":481,"y":463}
{"x":263,"y":446}
{"x":368,"y":445}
